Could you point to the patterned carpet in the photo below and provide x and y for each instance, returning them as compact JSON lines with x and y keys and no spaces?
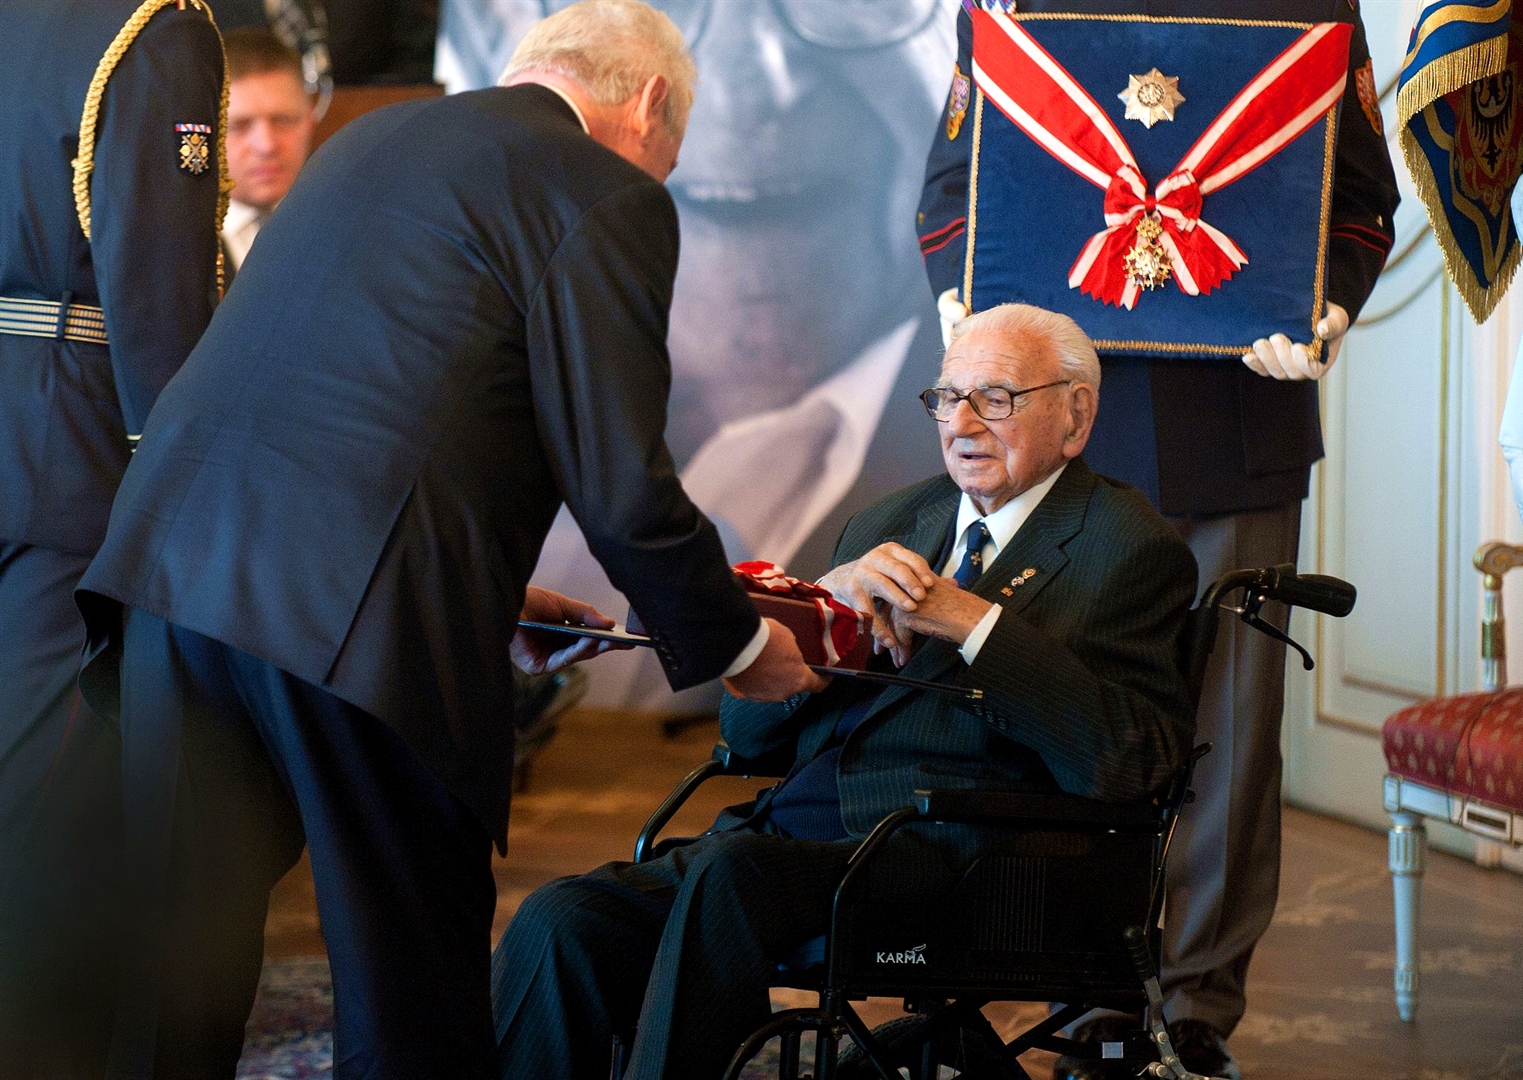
{"x":290,"y":1034}
{"x":1320,"y":1007}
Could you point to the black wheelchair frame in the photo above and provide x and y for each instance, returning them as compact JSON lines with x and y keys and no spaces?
{"x":1047,"y":935}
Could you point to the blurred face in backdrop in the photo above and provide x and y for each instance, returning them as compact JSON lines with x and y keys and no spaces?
{"x":797,"y":187}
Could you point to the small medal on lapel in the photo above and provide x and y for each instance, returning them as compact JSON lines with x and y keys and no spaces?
{"x":1019,"y":580}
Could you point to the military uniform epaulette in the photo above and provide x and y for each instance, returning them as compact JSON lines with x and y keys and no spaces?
{"x":195,"y":147}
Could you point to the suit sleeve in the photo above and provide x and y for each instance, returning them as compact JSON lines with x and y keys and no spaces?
{"x":758,"y":729}
{"x":601,"y":376}
{"x":1105,"y":706}
{"x":153,"y":223}
{"x":1360,"y":227}
{"x":942,"y":221}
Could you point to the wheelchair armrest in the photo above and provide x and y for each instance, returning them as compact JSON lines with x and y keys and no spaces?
{"x":774,"y":764}
{"x":1048,"y":808}
{"x":722,"y":762}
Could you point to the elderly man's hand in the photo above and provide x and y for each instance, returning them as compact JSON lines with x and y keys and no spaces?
{"x":1278,"y":358}
{"x":890,"y":577}
{"x":538,"y":652}
{"x":948,"y":612}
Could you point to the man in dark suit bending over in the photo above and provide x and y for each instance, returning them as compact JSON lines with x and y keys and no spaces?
{"x":456,"y":322}
{"x":1058,"y":592}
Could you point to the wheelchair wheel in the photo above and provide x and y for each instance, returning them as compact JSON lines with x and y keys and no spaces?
{"x":972,"y":1053}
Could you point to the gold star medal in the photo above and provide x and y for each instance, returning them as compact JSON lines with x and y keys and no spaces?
{"x":1147,"y":264}
{"x":195,"y":147}
{"x":1151,"y":97}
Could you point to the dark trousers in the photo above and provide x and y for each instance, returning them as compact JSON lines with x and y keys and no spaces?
{"x":680,"y":949}
{"x":267,"y":763}
{"x":1224,"y":865}
{"x":59,"y":828}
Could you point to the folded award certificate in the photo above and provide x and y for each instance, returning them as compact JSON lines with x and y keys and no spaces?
{"x":1166,"y":182}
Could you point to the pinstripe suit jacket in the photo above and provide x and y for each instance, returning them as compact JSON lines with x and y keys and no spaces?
{"x":1081,"y":679}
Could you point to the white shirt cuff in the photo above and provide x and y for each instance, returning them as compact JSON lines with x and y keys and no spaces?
{"x":979,"y":634}
{"x":749,"y":654}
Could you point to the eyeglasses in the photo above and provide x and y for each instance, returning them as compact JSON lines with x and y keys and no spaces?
{"x":831,"y":24}
{"x":989,"y":402}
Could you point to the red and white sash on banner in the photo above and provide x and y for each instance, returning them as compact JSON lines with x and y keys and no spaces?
{"x":1042,"y":99}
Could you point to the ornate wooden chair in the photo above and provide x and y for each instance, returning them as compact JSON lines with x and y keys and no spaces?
{"x":1457,"y":759}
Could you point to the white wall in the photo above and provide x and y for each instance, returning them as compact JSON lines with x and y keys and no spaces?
{"x":1412,"y":484}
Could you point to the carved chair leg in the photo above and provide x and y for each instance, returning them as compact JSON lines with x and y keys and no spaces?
{"x":1409,"y":848}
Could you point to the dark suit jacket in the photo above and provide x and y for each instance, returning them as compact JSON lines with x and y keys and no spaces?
{"x":66,"y":407}
{"x":1081,"y":679}
{"x":454,"y":321}
{"x":1202,"y":437}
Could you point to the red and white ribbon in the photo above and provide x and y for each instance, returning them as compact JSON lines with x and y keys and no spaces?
{"x":1042,"y":99}
{"x":840,"y":626}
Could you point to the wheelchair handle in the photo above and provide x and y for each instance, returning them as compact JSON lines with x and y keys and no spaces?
{"x":1317,"y":592}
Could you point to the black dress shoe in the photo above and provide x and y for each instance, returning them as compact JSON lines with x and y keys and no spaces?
{"x":1106,"y":1029}
{"x":1203,"y":1050}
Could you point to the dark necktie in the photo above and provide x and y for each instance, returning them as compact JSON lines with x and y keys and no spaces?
{"x":973,"y":561}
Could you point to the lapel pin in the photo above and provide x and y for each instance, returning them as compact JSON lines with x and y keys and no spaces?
{"x":1019,"y":580}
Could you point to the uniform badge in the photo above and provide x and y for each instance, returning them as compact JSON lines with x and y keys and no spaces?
{"x":1151,"y":97}
{"x":195,"y":147}
{"x":1369,"y":97}
{"x":957,"y":104}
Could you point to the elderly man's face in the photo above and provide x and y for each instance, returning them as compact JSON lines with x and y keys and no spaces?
{"x":269,"y":135}
{"x":993,"y":461}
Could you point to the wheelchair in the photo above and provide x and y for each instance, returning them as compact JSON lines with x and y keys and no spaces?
{"x":1063,"y":904}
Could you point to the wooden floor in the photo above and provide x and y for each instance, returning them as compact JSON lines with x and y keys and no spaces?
{"x":1320,"y":987}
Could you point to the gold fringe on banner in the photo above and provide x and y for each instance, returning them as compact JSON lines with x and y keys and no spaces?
{"x":1449,"y":73}
{"x":1480,"y":299}
{"x":1444,"y":76}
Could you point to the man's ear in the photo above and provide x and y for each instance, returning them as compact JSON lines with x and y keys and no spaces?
{"x":651,"y":104}
{"x":1081,"y":418}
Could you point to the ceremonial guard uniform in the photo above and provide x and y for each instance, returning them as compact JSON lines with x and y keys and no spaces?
{"x":110,"y":198}
{"x":1226,"y":454}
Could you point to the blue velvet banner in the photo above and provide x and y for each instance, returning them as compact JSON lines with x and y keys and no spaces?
{"x":1032,"y":215}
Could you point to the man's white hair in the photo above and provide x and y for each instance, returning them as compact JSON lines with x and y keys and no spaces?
{"x":1050,"y":333}
{"x":611,"y":48}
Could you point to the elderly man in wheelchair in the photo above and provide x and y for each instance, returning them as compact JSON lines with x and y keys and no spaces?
{"x":1050,"y":606}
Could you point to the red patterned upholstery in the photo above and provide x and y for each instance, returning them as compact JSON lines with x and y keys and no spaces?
{"x":1468,"y":744}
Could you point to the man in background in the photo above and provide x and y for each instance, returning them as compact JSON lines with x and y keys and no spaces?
{"x":455,"y":324}
{"x":801,"y":332}
{"x":107,"y":278}
{"x":270,"y":120}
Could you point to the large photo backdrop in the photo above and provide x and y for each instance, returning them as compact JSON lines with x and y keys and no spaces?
{"x":802,"y":327}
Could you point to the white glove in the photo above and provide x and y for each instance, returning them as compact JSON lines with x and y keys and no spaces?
{"x":952,"y":312}
{"x":1277,"y":358}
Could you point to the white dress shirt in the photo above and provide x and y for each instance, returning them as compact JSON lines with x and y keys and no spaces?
{"x":239,"y":228}
{"x":1003,"y":524}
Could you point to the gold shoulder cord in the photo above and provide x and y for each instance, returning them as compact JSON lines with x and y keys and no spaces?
{"x":84,"y":164}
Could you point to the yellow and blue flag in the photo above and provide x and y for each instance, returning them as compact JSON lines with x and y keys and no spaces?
{"x":1459,"y":112}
